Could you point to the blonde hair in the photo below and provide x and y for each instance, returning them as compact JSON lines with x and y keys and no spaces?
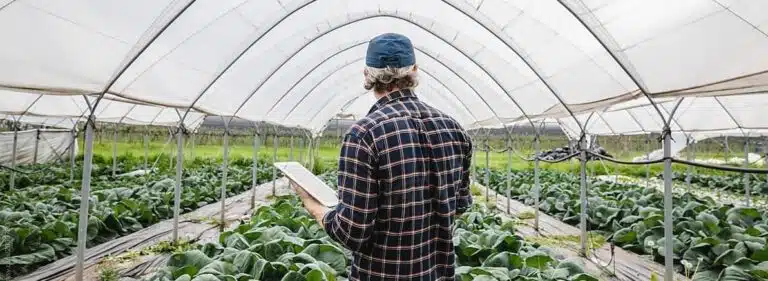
{"x":382,"y":80}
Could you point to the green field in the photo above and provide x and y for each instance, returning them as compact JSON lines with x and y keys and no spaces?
{"x":241,"y":147}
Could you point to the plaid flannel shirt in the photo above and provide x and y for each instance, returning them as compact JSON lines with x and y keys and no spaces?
{"x":403,"y":175}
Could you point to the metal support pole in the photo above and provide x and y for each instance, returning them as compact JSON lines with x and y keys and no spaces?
{"x":487,"y":170}
{"x":13,"y":155}
{"x":301,"y":150}
{"x":37,"y":144}
{"x":668,"y":258}
{"x":509,"y":175}
{"x":146,"y":150}
{"x":177,"y":190}
{"x":310,"y":147}
{"x":225,"y":167}
{"x":536,"y":182}
{"x":72,"y":157}
{"x":255,"y":169}
{"x":170,"y":152}
{"x":192,"y":151}
{"x":689,"y":155}
{"x":114,"y":153}
{"x":765,"y":156}
{"x":647,"y":158}
{"x":727,"y":149}
{"x":747,"y":195}
{"x":583,"y":197}
{"x":290,"y":151}
{"x":275,"y":141}
{"x":82,"y":233}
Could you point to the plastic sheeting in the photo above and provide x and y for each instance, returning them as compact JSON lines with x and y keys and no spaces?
{"x":292,"y":62}
{"x":52,"y":145}
{"x":64,"y":111}
{"x":701,"y":117}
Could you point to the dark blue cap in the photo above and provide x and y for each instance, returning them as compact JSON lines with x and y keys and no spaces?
{"x":390,"y":49}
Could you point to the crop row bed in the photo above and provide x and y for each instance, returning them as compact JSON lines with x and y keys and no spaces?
{"x":712,"y":241}
{"x":39,"y":217}
{"x":282,"y":242}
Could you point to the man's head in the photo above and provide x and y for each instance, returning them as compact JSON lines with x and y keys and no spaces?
{"x":390,"y":64}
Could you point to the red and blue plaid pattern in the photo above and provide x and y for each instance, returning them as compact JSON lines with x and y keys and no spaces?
{"x":403,"y":175}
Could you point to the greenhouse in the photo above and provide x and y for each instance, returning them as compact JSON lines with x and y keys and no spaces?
{"x":613,"y":139}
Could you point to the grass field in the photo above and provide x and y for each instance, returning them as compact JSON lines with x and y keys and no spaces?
{"x":328,"y":155}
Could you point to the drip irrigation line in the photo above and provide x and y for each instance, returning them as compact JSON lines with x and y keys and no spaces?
{"x":721,"y":167}
{"x":686,"y":162}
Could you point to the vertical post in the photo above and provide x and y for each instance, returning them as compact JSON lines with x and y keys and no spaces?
{"x":301,"y":150}
{"x":146,"y":149}
{"x":310,"y":148}
{"x":170,"y":151}
{"x":290,"y":151}
{"x":82,"y":233}
{"x":509,"y":175}
{"x":487,"y":170}
{"x":727,"y":149}
{"x":747,"y":200}
{"x":13,"y":155}
{"x":192,"y":151}
{"x":72,"y":157}
{"x":688,"y":155}
{"x":177,"y":190}
{"x":114,"y":153}
{"x":583,"y":196}
{"x":255,"y":169}
{"x":647,"y":158}
{"x":536,"y":182}
{"x":37,"y":144}
{"x":668,"y":258}
{"x":225,"y":167}
{"x":765,"y":156}
{"x":275,"y":141}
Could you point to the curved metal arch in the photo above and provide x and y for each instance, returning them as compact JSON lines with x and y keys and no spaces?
{"x":325,"y":105}
{"x":363,"y":18}
{"x":503,"y":38}
{"x":357,"y":60}
{"x":640,"y":85}
{"x":242,"y":53}
{"x":432,"y":87}
{"x":366,"y":17}
{"x":310,"y":72}
{"x":138,"y":54}
{"x":427,"y":53}
{"x":498,"y":36}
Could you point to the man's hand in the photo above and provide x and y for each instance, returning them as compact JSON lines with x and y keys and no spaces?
{"x":314,"y":208}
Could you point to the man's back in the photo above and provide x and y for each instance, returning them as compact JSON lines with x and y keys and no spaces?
{"x":403,"y":174}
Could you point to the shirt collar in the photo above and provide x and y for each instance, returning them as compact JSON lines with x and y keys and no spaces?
{"x":391,"y":97}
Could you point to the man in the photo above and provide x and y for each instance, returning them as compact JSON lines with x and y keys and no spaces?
{"x":403,"y":176}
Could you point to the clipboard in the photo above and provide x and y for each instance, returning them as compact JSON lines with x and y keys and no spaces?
{"x":314,"y":186}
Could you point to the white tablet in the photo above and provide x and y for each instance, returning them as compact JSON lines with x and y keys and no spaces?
{"x":306,"y":180}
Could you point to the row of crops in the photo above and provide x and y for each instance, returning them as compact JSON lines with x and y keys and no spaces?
{"x":731,"y":183}
{"x":39,"y":217}
{"x":282,"y":242}
{"x":712,"y":241}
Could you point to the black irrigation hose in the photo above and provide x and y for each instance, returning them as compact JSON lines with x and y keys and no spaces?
{"x":568,"y":157}
{"x":721,"y":167}
{"x":686,"y":162}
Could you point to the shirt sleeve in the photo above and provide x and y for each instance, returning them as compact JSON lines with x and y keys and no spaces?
{"x":351,"y":222}
{"x":464,"y":197}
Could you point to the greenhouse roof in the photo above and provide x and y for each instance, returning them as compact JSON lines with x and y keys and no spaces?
{"x":298,"y":63}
